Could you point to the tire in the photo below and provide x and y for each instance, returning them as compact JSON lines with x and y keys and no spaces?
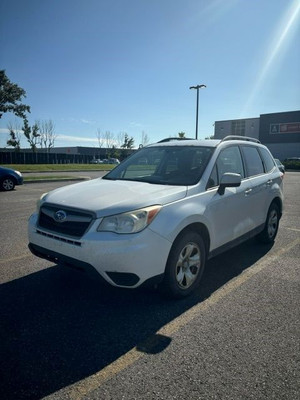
{"x":185,"y":266}
{"x":7,"y":184}
{"x":271,"y":226}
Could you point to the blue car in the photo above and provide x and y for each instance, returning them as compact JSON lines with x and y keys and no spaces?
{"x":9,"y":178}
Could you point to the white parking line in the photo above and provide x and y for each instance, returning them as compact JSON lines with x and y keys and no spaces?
{"x":293,"y":229}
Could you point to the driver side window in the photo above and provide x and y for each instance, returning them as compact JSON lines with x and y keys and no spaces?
{"x":229,"y":160}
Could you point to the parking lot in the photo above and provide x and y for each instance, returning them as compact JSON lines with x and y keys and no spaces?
{"x":65,"y":335}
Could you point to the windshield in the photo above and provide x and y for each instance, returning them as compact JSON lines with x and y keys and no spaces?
{"x":165,"y":165}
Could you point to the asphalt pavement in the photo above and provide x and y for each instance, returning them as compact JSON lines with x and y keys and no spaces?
{"x":65,"y":335}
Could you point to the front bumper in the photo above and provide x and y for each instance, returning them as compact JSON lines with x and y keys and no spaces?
{"x":18,"y":179}
{"x":122,"y":260}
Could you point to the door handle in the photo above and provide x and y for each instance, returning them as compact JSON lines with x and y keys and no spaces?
{"x":248,"y":191}
{"x":269,"y":182}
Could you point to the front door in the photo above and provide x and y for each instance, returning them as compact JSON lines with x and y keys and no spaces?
{"x":230,"y":214}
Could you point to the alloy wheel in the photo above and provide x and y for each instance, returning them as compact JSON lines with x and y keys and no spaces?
{"x":272,"y":223}
{"x":188,"y":265}
{"x":8,"y":184}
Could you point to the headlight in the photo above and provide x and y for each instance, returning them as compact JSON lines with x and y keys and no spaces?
{"x":18,"y":173}
{"x":130,"y":222}
{"x":40,"y":201}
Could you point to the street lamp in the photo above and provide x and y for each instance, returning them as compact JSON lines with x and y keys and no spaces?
{"x":197,"y":106}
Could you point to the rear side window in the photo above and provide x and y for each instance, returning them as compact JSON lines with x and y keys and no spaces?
{"x":267,"y":159}
{"x":254,"y":164}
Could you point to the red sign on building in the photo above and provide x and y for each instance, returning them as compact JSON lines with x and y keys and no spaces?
{"x":289,"y":127}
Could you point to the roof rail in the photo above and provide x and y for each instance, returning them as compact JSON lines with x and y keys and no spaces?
{"x":170,"y":139}
{"x":246,"y":138}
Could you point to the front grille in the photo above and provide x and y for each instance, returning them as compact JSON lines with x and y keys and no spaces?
{"x":59,"y":238}
{"x":72,"y":223}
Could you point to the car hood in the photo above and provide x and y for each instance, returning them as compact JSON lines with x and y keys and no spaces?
{"x":7,"y":170}
{"x":105,"y":197}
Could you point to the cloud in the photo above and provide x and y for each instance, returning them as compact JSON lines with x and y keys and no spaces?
{"x":78,"y":121}
{"x":59,"y":137}
{"x":67,"y":138}
{"x":136,"y":124}
{"x":86,"y":121}
{"x":5,"y":131}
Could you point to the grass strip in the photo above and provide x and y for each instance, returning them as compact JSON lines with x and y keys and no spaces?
{"x":48,"y":177}
{"x":60,"y":167}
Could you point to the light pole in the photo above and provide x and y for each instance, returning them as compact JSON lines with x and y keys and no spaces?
{"x":197,"y":106}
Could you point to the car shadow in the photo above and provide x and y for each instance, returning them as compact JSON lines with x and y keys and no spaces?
{"x":60,"y":326}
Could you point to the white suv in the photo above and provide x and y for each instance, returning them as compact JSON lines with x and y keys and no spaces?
{"x":159,"y":215}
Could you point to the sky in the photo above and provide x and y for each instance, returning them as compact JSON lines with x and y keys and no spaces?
{"x":127,"y":65}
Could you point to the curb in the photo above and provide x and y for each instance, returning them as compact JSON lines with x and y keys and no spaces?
{"x":82,"y":178}
{"x":66,"y":171}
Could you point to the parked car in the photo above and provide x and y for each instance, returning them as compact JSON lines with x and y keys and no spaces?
{"x":291,"y":159}
{"x":113,"y":161}
{"x":9,"y":178}
{"x":158,"y":223}
{"x":280,"y":165}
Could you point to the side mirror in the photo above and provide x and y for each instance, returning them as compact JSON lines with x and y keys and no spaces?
{"x":229,"y":179}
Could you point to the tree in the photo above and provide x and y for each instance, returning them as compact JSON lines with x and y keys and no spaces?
{"x":46,"y":134}
{"x":15,"y":130}
{"x":109,"y":142}
{"x":114,"y":152}
{"x":181,"y":135}
{"x":128,"y":142}
{"x":145,"y":139}
{"x":210,"y":137}
{"x":109,"y":139}
{"x":120,"y":139}
{"x":31,"y":134}
{"x":100,"y":138}
{"x":11,"y":96}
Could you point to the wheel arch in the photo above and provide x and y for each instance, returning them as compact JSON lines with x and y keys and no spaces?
{"x":199,"y":228}
{"x":8,"y":177}
{"x":279,"y":204}
{"x":170,"y":285}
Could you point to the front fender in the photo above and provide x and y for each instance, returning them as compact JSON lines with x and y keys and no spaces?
{"x":175,"y":217}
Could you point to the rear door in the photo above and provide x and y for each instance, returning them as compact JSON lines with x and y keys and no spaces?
{"x":261,"y":178}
